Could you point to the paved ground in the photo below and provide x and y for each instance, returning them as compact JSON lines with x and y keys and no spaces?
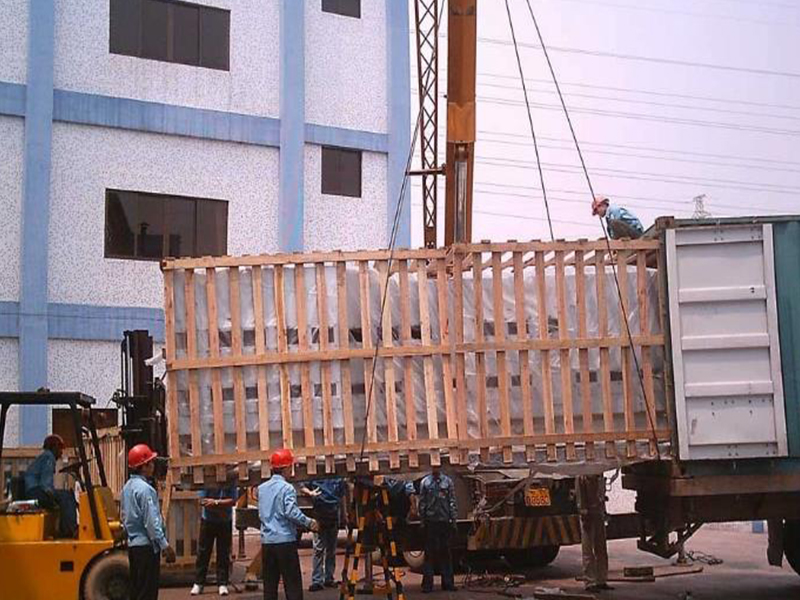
{"x":744,"y":575}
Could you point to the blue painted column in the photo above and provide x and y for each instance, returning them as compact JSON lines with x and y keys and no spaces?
{"x":399,"y":93}
{"x":293,"y":116}
{"x":36,"y":215}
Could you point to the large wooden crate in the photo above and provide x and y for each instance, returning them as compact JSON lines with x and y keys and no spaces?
{"x":272,"y":345}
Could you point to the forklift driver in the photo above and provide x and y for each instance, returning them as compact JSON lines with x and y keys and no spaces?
{"x":39,"y":486}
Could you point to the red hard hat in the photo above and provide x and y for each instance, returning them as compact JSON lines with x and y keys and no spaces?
{"x":139,"y":455}
{"x":282,"y":458}
{"x":53,"y":440}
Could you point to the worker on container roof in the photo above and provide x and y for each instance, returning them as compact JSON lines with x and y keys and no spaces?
{"x":620,"y":222}
{"x":280,"y":517}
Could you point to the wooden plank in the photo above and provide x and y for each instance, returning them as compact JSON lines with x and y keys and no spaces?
{"x":263,"y":396}
{"x":461,"y":371}
{"x":325,"y":366}
{"x":583,"y":354}
{"x":306,"y":390}
{"x":442,"y":294}
{"x":564,"y":355}
{"x":388,"y":363}
{"x":547,"y":383}
{"x":408,"y":373}
{"x":480,"y":365}
{"x":172,"y":387}
{"x":366,"y":344}
{"x":238,"y":381}
{"x":627,"y":377}
{"x":524,"y":357}
{"x":500,"y":357}
{"x":216,"y":375}
{"x":427,"y":361}
{"x":605,"y":359}
{"x":283,"y":347}
{"x":343,"y":336}
{"x":647,"y":360}
{"x":191,"y":353}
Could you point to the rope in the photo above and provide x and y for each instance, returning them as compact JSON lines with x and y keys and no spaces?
{"x":530,"y":122}
{"x":650,"y":417}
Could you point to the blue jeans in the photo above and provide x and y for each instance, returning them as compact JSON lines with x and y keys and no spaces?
{"x":64,"y":501}
{"x":325,"y":555}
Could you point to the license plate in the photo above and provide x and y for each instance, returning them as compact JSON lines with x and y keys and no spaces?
{"x":537,"y":496}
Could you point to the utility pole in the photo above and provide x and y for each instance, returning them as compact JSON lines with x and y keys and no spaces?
{"x":700,"y":211}
{"x":460,"y":157}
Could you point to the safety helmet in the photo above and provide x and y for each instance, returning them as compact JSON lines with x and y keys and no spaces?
{"x":597,"y":203}
{"x":140,"y":455}
{"x":53,"y":441}
{"x":282,"y":458}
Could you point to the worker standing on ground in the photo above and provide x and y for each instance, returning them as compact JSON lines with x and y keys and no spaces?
{"x":216,"y":527}
{"x":591,"y":492}
{"x":329,"y":497}
{"x":39,"y":486}
{"x":620,"y":222}
{"x":437,"y":511}
{"x":141,"y":518}
{"x":280,"y":517}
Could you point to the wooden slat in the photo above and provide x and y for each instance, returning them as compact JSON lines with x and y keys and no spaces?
{"x":216,"y":374}
{"x":172,"y":383}
{"x":480,"y":365}
{"x":500,"y":357}
{"x":447,"y":368}
{"x":524,"y":357}
{"x":605,"y":359}
{"x":238,"y":381}
{"x":191,"y":352}
{"x":408,"y":373}
{"x":564,"y":356}
{"x":627,"y":376}
{"x":366,"y":344}
{"x":461,"y":371}
{"x":388,"y":364}
{"x":583,"y":354}
{"x":263,"y":396}
{"x":283,"y":347}
{"x":644,"y":327}
{"x":427,"y":361}
{"x":343,"y":336}
{"x":325,"y":366}
{"x":547,"y":382}
{"x":306,"y":389}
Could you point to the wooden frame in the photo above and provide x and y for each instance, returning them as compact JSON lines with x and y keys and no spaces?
{"x":486,"y":386}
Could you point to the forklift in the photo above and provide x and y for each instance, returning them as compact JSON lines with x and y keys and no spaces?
{"x":34,"y":563}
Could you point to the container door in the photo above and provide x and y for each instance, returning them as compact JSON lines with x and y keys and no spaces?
{"x":725,"y":347}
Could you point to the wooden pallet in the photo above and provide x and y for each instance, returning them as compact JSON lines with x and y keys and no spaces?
{"x":433,"y":347}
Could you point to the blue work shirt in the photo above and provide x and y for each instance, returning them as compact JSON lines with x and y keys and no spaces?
{"x":437,"y":499}
{"x":278,"y":511}
{"x":619,"y":213}
{"x":40,"y":472}
{"x":219,"y":514}
{"x":141,"y":516}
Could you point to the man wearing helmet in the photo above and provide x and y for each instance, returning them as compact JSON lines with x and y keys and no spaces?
{"x":620,"y":222}
{"x":142,"y":520}
{"x":39,"y":486}
{"x":280,"y":517}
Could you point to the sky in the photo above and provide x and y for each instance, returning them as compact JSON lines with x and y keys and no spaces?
{"x":670,"y":99}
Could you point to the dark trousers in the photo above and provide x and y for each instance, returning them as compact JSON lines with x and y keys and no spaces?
{"x":280,"y":561}
{"x":220,"y":532}
{"x":619,"y":230}
{"x":437,"y":550}
{"x":64,"y":501}
{"x":591,"y":491}
{"x":145,"y":566}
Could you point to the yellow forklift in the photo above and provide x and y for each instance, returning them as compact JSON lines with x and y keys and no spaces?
{"x":34,"y":563}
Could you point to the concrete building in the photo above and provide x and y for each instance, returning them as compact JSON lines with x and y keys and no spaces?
{"x":132,"y":129}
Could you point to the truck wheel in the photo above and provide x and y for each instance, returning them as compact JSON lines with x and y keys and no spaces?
{"x":532,"y":558}
{"x":791,"y":544}
{"x":108,"y":578}
{"x":414,"y":559}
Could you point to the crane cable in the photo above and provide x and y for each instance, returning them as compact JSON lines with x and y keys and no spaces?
{"x":530,"y":122}
{"x":651,"y":418}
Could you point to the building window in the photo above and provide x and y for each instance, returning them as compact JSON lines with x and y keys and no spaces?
{"x":177,"y":32}
{"x":341,"y":172}
{"x":347,"y":8}
{"x":144,"y":226}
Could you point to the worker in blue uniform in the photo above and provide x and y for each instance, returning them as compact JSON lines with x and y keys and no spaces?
{"x":328,"y":496}
{"x":280,"y":517}
{"x":141,"y":518}
{"x":620,"y":222}
{"x":39,"y":486}
{"x":437,"y":510}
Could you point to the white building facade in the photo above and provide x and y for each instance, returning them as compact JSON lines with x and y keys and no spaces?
{"x":136,"y":129}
